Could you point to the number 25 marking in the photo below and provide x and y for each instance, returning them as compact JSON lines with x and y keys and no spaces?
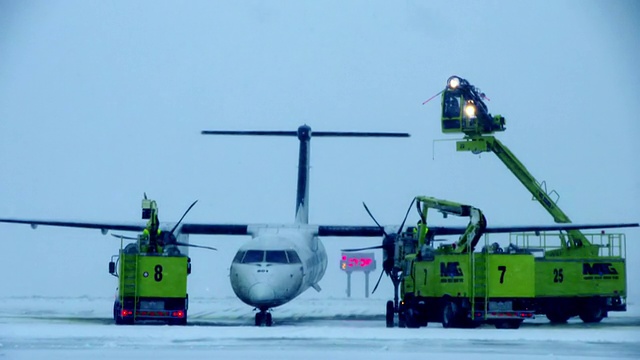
{"x":504,"y":270}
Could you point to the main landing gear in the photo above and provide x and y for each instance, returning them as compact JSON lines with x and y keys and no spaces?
{"x":263,"y":318}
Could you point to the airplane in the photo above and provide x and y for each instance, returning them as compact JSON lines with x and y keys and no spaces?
{"x":281,"y":261}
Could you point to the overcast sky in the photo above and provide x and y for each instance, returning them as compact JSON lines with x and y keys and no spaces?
{"x":101,"y":101}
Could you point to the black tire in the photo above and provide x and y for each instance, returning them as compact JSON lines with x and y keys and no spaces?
{"x":117,"y":308}
{"x":268,"y":320}
{"x":401,"y":320}
{"x":449,"y":315}
{"x":557,"y":316}
{"x":411,"y":318}
{"x":390,"y":314}
{"x":592,"y":311}
{"x":508,"y":324}
{"x":259,"y":318}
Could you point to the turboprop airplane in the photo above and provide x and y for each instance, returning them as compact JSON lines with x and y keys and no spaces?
{"x":281,"y":261}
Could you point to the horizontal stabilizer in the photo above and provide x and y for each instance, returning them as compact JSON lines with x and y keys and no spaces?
{"x":314,"y":133}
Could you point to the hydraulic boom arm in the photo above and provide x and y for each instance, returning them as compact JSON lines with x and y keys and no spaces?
{"x":475,"y":228}
{"x":464,"y":111}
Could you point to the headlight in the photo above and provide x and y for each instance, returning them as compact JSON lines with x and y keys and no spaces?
{"x":470,"y":110}
{"x":453,"y":82}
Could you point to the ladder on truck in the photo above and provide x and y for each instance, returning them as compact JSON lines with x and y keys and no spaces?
{"x":479,"y":263}
{"x":129,"y":280}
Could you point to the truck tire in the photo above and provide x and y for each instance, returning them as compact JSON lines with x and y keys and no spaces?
{"x":508,"y":324}
{"x":557,"y":316}
{"x":390,"y":314}
{"x":449,"y":315}
{"x":592,"y":311}
{"x":401,"y":320}
{"x":411,"y":318}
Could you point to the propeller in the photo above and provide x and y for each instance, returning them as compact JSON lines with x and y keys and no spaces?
{"x":183,"y":215}
{"x":388,"y":244}
{"x":179,"y":243}
{"x":169,"y":238}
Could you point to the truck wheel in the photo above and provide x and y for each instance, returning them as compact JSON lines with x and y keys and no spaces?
{"x":508,"y":324}
{"x":401,"y":320}
{"x":557,"y":316}
{"x":592,"y":311}
{"x":411,"y":318}
{"x":449,"y":315}
{"x":390,"y":314}
{"x":117,"y":309}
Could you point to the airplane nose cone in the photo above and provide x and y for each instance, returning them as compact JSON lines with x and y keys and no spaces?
{"x":261,"y":293}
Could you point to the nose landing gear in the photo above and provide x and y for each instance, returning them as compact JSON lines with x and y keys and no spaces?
{"x":263,"y":318}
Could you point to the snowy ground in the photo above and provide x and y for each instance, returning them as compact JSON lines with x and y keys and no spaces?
{"x":82,"y":328}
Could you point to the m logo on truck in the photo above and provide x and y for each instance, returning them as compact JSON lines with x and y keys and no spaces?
{"x":450,"y":272}
{"x":592,"y":271}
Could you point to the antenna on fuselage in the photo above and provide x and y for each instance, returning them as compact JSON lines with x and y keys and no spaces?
{"x":304,"y":134}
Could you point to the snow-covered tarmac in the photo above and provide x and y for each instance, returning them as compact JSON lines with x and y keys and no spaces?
{"x":82,"y":328}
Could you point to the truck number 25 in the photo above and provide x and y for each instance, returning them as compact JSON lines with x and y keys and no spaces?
{"x":504,"y":270}
{"x":557,"y":275}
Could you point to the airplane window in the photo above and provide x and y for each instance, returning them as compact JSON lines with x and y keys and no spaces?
{"x":293,"y":257}
{"x":239,"y":256}
{"x":253,"y":256}
{"x":279,"y":257}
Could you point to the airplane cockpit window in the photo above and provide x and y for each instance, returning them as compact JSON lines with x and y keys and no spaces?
{"x":239,"y":256}
{"x":253,"y":256}
{"x":276,"y":256}
{"x":293,"y":257}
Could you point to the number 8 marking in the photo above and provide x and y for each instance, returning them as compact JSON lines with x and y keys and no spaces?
{"x":158,"y":275}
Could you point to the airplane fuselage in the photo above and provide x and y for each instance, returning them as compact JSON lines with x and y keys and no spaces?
{"x":277,"y":264}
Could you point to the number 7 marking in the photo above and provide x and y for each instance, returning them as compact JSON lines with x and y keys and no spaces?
{"x":504,"y":270}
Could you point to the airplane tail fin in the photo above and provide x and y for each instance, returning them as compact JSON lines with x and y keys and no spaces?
{"x":304,"y":134}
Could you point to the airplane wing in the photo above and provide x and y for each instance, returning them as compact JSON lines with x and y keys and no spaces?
{"x":372,"y":231}
{"x":243,"y":229}
{"x":215,"y":229}
{"x":346,"y":230}
{"x":323,"y":230}
{"x":211,"y":229}
{"x":449,"y":230}
{"x":102,"y":226}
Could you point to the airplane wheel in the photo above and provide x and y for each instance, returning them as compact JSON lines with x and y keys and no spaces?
{"x":592,"y":311}
{"x":259,"y":318}
{"x":390,"y":314}
{"x":268,"y":320}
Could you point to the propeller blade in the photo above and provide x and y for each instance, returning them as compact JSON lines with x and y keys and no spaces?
{"x":377,"y":283}
{"x":124,"y":237}
{"x":183,"y":215}
{"x":364,"y":248}
{"x":405,"y":216}
{"x":374,"y":219}
{"x":196,"y":246}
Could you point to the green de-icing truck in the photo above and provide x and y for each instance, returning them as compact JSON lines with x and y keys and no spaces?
{"x":152,"y":276}
{"x":575,"y":274}
{"x":454,"y":285}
